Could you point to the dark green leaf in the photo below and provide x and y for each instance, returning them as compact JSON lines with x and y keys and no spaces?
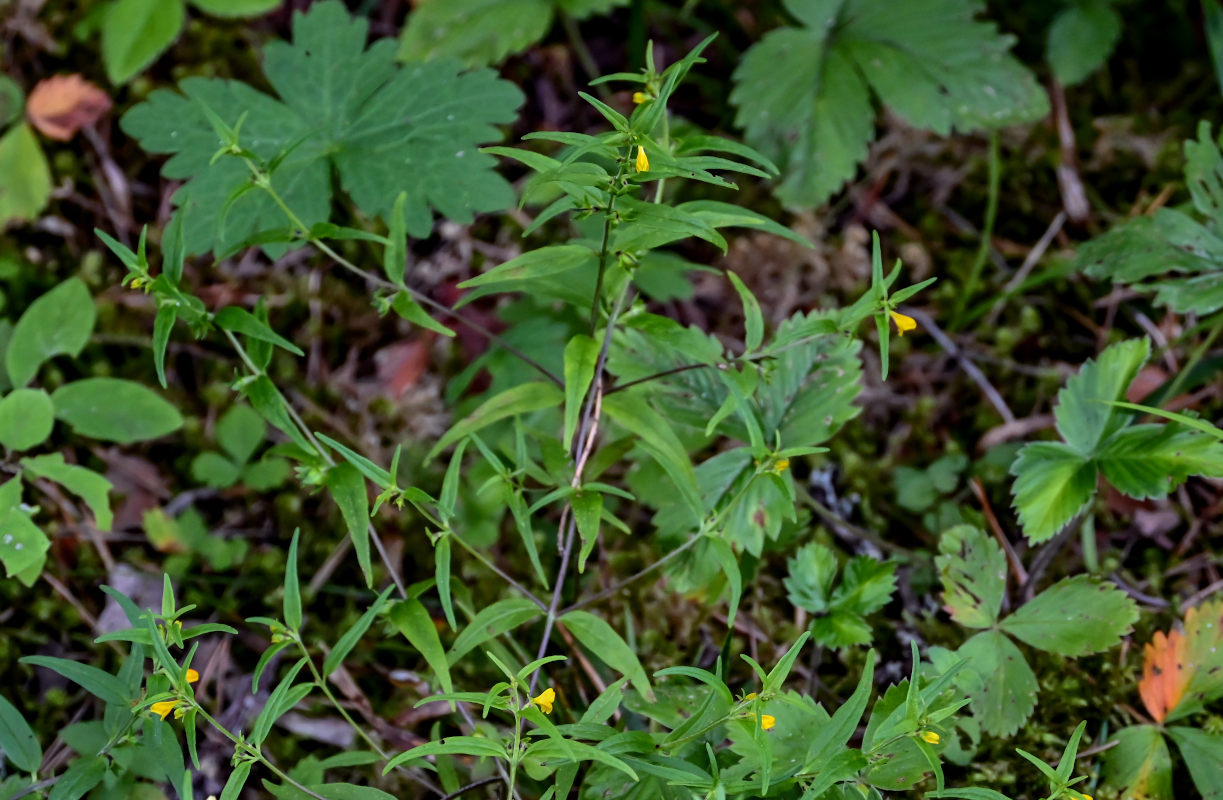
{"x":347,"y":488}
{"x":239,"y":320}
{"x":353,"y":635}
{"x":26,"y":419}
{"x":17,"y":739}
{"x":97,"y":682}
{"x":115,"y":410}
{"x":59,"y":322}
{"x":1074,"y":617}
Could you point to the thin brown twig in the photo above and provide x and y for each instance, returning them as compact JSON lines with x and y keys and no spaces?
{"x":1021,"y":575}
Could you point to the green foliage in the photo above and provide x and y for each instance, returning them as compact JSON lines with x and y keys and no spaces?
{"x":59,"y":322}
{"x":1081,"y":39}
{"x":27,"y":175}
{"x":480,"y":32}
{"x":342,"y":107}
{"x":866,"y":586}
{"x":1055,"y":481}
{"x":239,"y":432}
{"x":1074,"y":617}
{"x":927,"y":60}
{"x":1172,"y":252}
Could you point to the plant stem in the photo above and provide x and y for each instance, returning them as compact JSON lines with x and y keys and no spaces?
{"x":987,"y":235}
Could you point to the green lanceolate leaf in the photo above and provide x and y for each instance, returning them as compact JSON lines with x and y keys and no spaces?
{"x":581,"y":357}
{"x":80,"y":778}
{"x":17,"y":739}
{"x":500,"y":617}
{"x":342,"y":107}
{"x":602,"y":641}
{"x":353,"y":635}
{"x":97,"y":682}
{"x":521,"y":399}
{"x":239,"y":320}
{"x":804,"y":93}
{"x":348,"y":489}
{"x":1074,"y":617}
{"x":973,"y":570}
{"x":412,"y":620}
{"x":293,"y":597}
{"x":115,"y":410}
{"x":58,"y":322}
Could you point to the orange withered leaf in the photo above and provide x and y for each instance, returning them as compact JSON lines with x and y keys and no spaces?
{"x":1164,"y":674}
{"x":61,"y":105}
{"x":1183,"y":670}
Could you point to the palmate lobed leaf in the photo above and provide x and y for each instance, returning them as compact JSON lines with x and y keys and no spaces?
{"x":385,"y":129}
{"x":929,"y":60}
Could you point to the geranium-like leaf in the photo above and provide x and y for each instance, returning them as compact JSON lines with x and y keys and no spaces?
{"x":344,"y":108}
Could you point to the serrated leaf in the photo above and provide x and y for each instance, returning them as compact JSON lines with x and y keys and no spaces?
{"x":59,"y":322}
{"x":1203,"y":754}
{"x":1053,"y":483}
{"x":136,"y":32}
{"x":1081,"y":39}
{"x":928,"y":60}
{"x":999,"y":682}
{"x":115,"y":410}
{"x":26,"y":419}
{"x":1084,"y":417}
{"x":1139,"y":764}
{"x":866,"y":585}
{"x":1149,"y":461}
{"x":82,"y":482}
{"x":972,"y":567}
{"x":1074,"y":617}
{"x":384,"y":129}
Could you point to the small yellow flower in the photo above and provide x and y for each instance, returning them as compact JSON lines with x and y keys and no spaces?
{"x":545,"y":700}
{"x":192,"y":676}
{"x":163,"y":708}
{"x":749,"y":696}
{"x":767,"y":721}
{"x":904,"y":323}
{"x":781,"y":464}
{"x":639,"y":97}
{"x":930,"y":737}
{"x":643,"y":162}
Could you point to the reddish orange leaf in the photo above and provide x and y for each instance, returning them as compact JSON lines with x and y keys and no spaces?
{"x":1164,"y":676}
{"x":61,"y":105}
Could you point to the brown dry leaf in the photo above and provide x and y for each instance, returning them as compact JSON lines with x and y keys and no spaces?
{"x":61,"y":105}
{"x":1181,"y":671}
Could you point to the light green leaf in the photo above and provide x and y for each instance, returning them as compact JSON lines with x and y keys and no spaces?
{"x":23,"y":547}
{"x":348,"y":791}
{"x":1081,"y":39}
{"x":753,"y":318}
{"x":236,"y":8}
{"x":292,"y":595}
{"x":215,"y":470}
{"x":581,"y":357}
{"x":239,"y":320}
{"x":115,"y":410}
{"x":1053,"y":483}
{"x":82,"y":482}
{"x":1203,"y":754}
{"x":343,"y":109}
{"x":97,"y":682}
{"x":135,"y":33}
{"x":58,"y":322}
{"x":409,"y":309}
{"x":1139,"y":765}
{"x":79,"y":779}
{"x":1149,"y":461}
{"x":521,"y":399}
{"x":658,"y":438}
{"x":972,"y":567}
{"x":541,"y":262}
{"x":353,"y":635}
{"x":17,"y":739}
{"x":27,"y":178}
{"x":999,"y":682}
{"x":348,"y":490}
{"x":476,"y":32}
{"x":587,"y":511}
{"x":812,"y":571}
{"x":237,"y":779}
{"x":26,"y":419}
{"x":479,"y":746}
{"x":866,"y":585}
{"x":602,"y":641}
{"x":412,"y":620}
{"x":240,"y":431}
{"x":1082,"y":419}
{"x":1074,"y":617}
{"x":491,"y":622}
{"x":928,"y":60}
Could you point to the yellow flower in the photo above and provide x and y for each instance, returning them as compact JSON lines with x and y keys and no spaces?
{"x":749,"y":696}
{"x":643,"y":162}
{"x":930,"y":737}
{"x":192,"y":676}
{"x":904,"y":323}
{"x":163,"y":708}
{"x":639,"y":97}
{"x":767,"y":721}
{"x":545,"y":700}
{"x":781,"y":464}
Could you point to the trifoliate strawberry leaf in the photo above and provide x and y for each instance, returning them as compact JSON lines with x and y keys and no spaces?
{"x":973,"y":569}
{"x":1053,"y":484}
{"x":384,"y":129}
{"x":1074,"y":617}
{"x":1084,"y":416}
{"x":866,"y":585}
{"x":928,"y":60}
{"x":1151,"y":460}
{"x":999,"y":682}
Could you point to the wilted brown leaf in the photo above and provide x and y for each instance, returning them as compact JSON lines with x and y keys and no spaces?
{"x":61,"y":105}
{"x":1184,"y":668}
